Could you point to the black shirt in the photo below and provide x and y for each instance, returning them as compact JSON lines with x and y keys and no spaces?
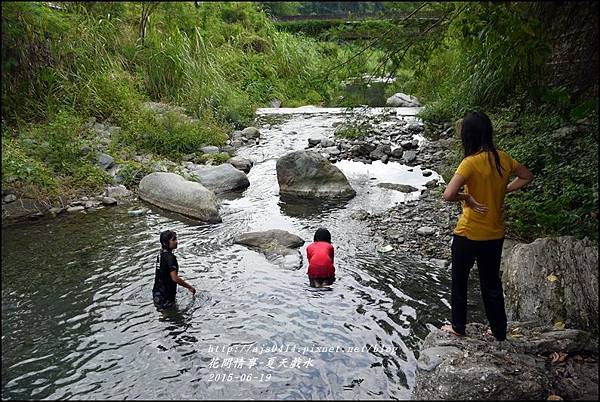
{"x":163,"y":283}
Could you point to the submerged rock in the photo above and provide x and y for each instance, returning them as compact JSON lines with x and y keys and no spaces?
{"x":277,"y":245}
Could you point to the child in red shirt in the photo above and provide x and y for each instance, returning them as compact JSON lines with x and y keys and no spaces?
{"x":321,"y":271}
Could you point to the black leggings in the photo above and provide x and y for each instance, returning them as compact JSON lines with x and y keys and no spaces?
{"x":488,"y":254}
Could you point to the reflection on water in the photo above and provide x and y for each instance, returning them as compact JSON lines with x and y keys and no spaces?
{"x":78,"y":319}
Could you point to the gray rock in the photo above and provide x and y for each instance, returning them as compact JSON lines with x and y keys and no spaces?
{"x":426,"y":231}
{"x":240,"y":163}
{"x":397,"y":152}
{"x":327,"y":142}
{"x":114,"y":130}
{"x":275,"y":103}
{"x":402,"y":100}
{"x":331,"y":151}
{"x":77,"y":208}
{"x":172,"y":192}
{"x":362,"y":149}
{"x":221,"y":178}
{"x":119,"y":191}
{"x":381,"y":151}
{"x":313,"y":141}
{"x":409,"y":156}
{"x":404,"y":188}
{"x":109,"y":201}
{"x":210,"y":149}
{"x":553,"y":280}
{"x":427,"y":173}
{"x":9,"y":198}
{"x":431,"y":183}
{"x":56,"y":210}
{"x":105,"y":161}
{"x":228,"y":149}
{"x":476,"y":367}
{"x":406,"y":145}
{"x":360,"y":215}
{"x":309,"y":175}
{"x":251,"y":132}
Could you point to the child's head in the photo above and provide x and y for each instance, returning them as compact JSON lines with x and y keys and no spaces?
{"x":168,"y":240}
{"x":322,"y":234}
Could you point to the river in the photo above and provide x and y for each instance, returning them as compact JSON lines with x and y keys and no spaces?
{"x":78,"y":321}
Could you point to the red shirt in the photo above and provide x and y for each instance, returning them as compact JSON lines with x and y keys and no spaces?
{"x":320,"y":260}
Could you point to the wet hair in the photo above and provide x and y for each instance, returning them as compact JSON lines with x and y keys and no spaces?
{"x":165,"y":237}
{"x":322,"y":234}
{"x":476,"y":135}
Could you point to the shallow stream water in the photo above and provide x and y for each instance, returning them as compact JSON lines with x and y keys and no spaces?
{"x":78,"y":321}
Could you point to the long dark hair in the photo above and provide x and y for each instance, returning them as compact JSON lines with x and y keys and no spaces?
{"x":322,"y":234}
{"x":476,"y":135}
{"x":165,"y":237}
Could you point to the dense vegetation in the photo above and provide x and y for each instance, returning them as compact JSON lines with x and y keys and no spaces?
{"x":492,"y":57}
{"x":63,"y":65}
{"x":222,"y":60}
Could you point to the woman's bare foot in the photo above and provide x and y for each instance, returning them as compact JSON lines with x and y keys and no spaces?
{"x":448,"y":328}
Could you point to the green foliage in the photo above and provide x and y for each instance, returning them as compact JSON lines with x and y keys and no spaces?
{"x":563,"y":198}
{"x":48,"y":156}
{"x":490,"y":51}
{"x":132,"y":172}
{"x":349,"y":132}
{"x":19,"y":169}
{"x":218,"y":60}
{"x":172,"y":136}
{"x":215,"y":159}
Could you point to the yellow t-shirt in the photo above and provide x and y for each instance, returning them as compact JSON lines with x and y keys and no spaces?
{"x":487,"y":187}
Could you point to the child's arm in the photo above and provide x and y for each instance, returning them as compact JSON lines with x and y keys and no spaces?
{"x":178,"y":280}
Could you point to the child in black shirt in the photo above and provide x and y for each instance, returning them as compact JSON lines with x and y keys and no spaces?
{"x":166,"y":275}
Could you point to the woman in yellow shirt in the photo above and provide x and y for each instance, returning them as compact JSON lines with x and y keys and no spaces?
{"x":484,"y":172}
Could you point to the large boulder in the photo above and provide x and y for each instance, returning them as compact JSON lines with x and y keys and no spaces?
{"x":308,"y":174}
{"x":531,"y":365}
{"x":402,"y":100}
{"x":553,"y":280}
{"x":277,"y":245}
{"x":221,"y":178}
{"x":172,"y":192}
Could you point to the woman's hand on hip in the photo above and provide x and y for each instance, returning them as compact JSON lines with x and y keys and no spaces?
{"x":475,"y":206}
